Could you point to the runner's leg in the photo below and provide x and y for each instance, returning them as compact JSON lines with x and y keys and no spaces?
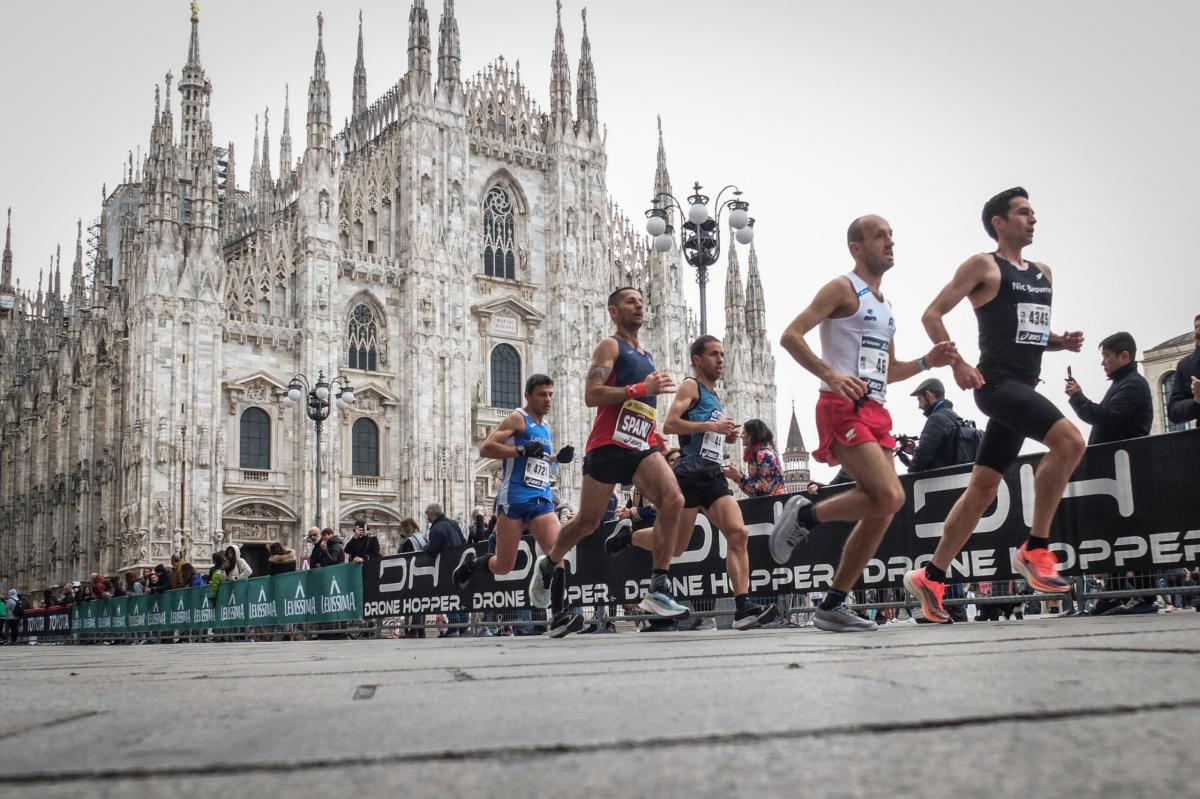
{"x":593,"y":499}
{"x":655,"y":480}
{"x":1053,"y":473}
{"x":508,"y":539}
{"x":727,"y":516}
{"x":880,"y":497}
{"x":965,"y":514}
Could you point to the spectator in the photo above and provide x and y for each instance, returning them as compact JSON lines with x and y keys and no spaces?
{"x":161,"y":579}
{"x":764,"y":471}
{"x":1184,"y":403}
{"x":813,"y":488}
{"x":280,"y":559}
{"x":313,"y":538}
{"x":114,"y":588}
{"x":363,"y":546}
{"x":1127,"y":409}
{"x":411,"y":537}
{"x":235,"y":568}
{"x":12,"y":615}
{"x":97,"y":585}
{"x":48,"y":597}
{"x":946,"y":439}
{"x":479,"y":531}
{"x":218,"y":562}
{"x":188,"y":576}
{"x":177,"y":571}
{"x":443,"y":533}
{"x":329,"y":550}
{"x":133,"y":586}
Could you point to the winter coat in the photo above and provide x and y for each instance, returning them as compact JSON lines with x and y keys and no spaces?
{"x":444,"y":534}
{"x":365,"y":547}
{"x":283,"y":562}
{"x":331,"y":554}
{"x":1182,"y":406}
{"x":239,"y":569}
{"x":10,"y":605}
{"x":938,"y":445}
{"x":1126,"y":411}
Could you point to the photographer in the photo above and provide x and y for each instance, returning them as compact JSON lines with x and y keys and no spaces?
{"x":946,"y":440}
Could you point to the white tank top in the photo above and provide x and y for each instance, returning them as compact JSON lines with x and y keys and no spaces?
{"x":858,"y":344}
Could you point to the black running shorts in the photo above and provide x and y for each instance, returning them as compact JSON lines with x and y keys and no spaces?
{"x":614,"y":465}
{"x":701,"y":490}
{"x":1015,"y":412}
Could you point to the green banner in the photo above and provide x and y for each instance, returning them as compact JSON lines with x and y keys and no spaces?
{"x":231,"y":603}
{"x":204,"y":614}
{"x":292,"y":598}
{"x":338,"y":591}
{"x":261,"y":607}
{"x":135,"y":613}
{"x":179,"y":611}
{"x":156,"y":612}
{"x":120,"y":618}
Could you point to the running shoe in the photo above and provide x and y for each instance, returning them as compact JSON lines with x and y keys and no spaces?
{"x":788,"y":533}
{"x":621,"y":538}
{"x":539,"y":583}
{"x":564,"y":623}
{"x":661,"y":603}
{"x":842,"y":620}
{"x":752,"y":616}
{"x":462,"y":575}
{"x":1040,"y":568}
{"x":929,"y":594}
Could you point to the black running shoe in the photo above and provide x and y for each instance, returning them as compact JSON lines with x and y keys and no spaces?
{"x":564,"y":623}
{"x":462,"y":575}
{"x":752,"y":616}
{"x":621,"y":538}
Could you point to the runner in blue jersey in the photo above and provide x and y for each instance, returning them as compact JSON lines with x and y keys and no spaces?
{"x":697,"y":417}
{"x":524,"y":443}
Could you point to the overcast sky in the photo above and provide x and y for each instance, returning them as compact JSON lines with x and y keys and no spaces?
{"x":821,"y":111}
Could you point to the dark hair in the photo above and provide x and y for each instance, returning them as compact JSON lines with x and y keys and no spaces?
{"x":759,"y":433}
{"x":187,"y":570}
{"x":537,"y":380}
{"x":854,"y":233}
{"x":1120,"y":342}
{"x":275,"y":548}
{"x":701,"y":344}
{"x":998,"y":206}
{"x":616,"y":295}
{"x":328,"y":530}
{"x":673,"y":451}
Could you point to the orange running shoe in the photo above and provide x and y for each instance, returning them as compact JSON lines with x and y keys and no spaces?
{"x":1040,"y":568}
{"x":929,"y":594}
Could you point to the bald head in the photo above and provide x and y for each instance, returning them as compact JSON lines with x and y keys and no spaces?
{"x":870,"y":241}
{"x":859,"y":228}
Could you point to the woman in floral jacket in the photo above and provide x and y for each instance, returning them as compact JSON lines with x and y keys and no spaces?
{"x":764,"y":470}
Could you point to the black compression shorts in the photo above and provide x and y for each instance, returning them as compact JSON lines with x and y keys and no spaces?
{"x":1015,"y":412}
{"x":701,"y":490}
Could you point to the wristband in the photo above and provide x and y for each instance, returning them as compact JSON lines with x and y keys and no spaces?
{"x":635,"y":391}
{"x":921,"y":363}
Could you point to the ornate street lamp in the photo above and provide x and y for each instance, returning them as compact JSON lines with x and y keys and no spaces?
{"x":700,"y":234}
{"x":322,"y":397}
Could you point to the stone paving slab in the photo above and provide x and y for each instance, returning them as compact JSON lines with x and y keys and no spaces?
{"x":1110,"y":706}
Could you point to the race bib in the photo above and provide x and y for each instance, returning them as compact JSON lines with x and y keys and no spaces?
{"x":712,"y":448}
{"x":1033,"y":324}
{"x":635,"y":424}
{"x":537,"y":473}
{"x":873,"y":363}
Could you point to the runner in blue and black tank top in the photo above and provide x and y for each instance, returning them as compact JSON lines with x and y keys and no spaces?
{"x":697,"y":418}
{"x":524,"y":443}
{"x":1012,"y":300}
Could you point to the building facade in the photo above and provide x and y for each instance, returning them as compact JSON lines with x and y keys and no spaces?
{"x":1158,"y":364}
{"x":448,"y":241}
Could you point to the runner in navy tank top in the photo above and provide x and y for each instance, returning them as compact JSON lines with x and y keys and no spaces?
{"x":623,"y":385}
{"x":696,"y":416}
{"x":856,"y":364}
{"x":524,"y":443}
{"x":1012,"y":299}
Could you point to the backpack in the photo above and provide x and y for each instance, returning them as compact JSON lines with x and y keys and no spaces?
{"x":20,"y":607}
{"x":967,"y":438}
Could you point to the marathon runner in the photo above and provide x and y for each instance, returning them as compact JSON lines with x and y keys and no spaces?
{"x":857,"y":362}
{"x":697,"y":418}
{"x":523,"y":441}
{"x":623,"y":385}
{"x":1011,"y":298}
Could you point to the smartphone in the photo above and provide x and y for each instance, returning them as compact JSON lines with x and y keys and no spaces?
{"x":1069,"y":375}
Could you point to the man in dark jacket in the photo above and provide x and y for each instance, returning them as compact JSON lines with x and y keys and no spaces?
{"x":443,"y":533}
{"x":1184,"y":404}
{"x":1127,"y":409}
{"x":329,"y":551}
{"x":362,"y":546}
{"x":938,"y":445}
{"x":166,"y":580}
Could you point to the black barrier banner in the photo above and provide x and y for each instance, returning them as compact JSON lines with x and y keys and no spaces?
{"x":46,"y":622}
{"x":1132,"y":505}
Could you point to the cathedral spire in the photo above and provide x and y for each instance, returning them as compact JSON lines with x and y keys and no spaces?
{"x":735,"y":299}
{"x":6,"y":267}
{"x":230,"y":172}
{"x":419,"y":76}
{"x":662,"y":178}
{"x":285,"y":139}
{"x":77,"y":267}
{"x":449,"y":77}
{"x":586,"y":105}
{"x":319,"y":127}
{"x":756,"y":307}
{"x":265,"y":174}
{"x":193,"y":59}
{"x":56,"y":283}
{"x":560,"y":80}
{"x":255,"y":162}
{"x":360,"y":75}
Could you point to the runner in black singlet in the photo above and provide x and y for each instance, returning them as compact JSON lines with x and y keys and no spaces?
{"x":1012,"y":300}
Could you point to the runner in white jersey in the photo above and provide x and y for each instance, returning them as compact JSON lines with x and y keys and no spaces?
{"x":857,"y":361}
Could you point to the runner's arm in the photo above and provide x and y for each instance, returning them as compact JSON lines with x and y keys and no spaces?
{"x":496,"y":446}
{"x":833,"y":295}
{"x":595,"y":392}
{"x":685,"y":397}
{"x":942,"y":354}
{"x":967,"y":278}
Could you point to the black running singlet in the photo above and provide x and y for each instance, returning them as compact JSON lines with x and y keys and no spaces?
{"x":1014,"y":328}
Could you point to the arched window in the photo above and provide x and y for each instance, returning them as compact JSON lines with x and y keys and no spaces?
{"x":1164,"y":393}
{"x":362,"y":339}
{"x":506,"y":377}
{"x":365,"y":437}
{"x":499,"y":228}
{"x":255,"y":439}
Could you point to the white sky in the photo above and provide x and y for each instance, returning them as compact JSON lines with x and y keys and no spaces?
{"x":821,"y":111}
